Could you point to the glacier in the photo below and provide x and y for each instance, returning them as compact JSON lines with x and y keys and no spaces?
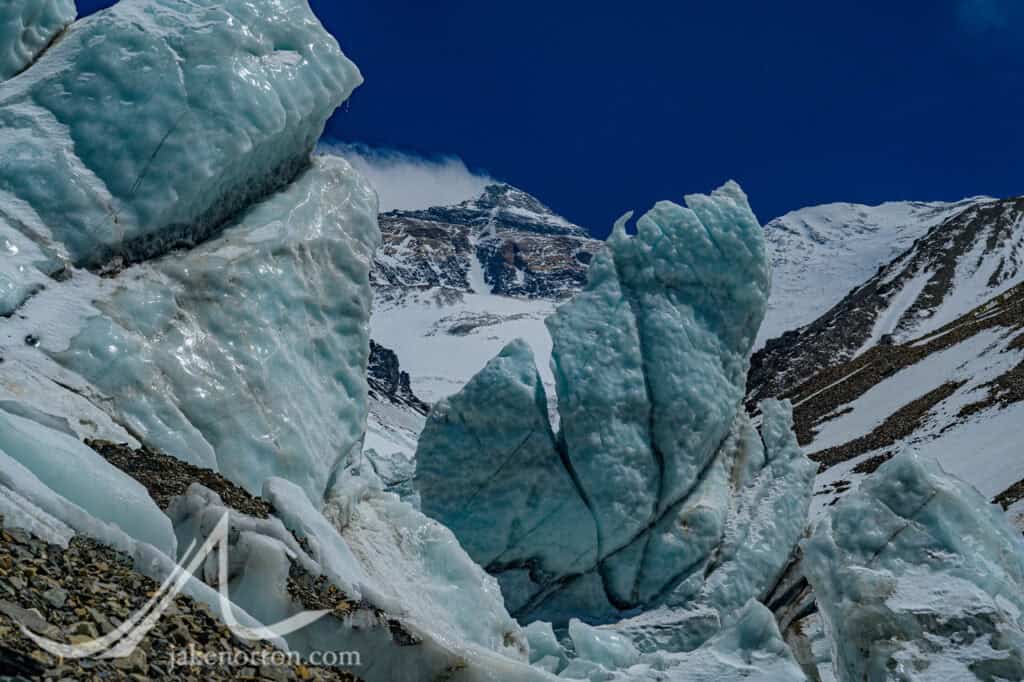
{"x":27,"y":28}
{"x":919,"y":577}
{"x":657,"y":490}
{"x":72,"y":471}
{"x":751,"y":649}
{"x":177,"y":271}
{"x":247,"y":354}
{"x":503,"y":410}
{"x":245,"y":89}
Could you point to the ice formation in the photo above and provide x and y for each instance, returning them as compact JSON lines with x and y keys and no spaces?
{"x":27,"y":27}
{"x":657,"y":490}
{"x":918,"y":577}
{"x":751,"y":649}
{"x":23,"y":268}
{"x":75,"y":473}
{"x":650,"y":524}
{"x":510,"y":511}
{"x":156,"y":120}
{"x":406,"y":582}
{"x":245,"y":353}
{"x":248,"y":354}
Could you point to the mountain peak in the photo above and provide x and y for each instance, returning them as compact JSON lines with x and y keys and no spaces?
{"x":501,"y":195}
{"x":499,"y":208}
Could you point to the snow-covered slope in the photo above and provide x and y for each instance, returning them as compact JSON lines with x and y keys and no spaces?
{"x":974,"y":253}
{"x":820,"y":253}
{"x":453,"y":285}
{"x":443,"y":338}
{"x":954,"y":395}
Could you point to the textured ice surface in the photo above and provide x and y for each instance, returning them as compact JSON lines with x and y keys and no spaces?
{"x":607,"y":648}
{"x":27,"y":27}
{"x":697,"y":280}
{"x":81,"y":476}
{"x":605,"y":406}
{"x":657,"y":490}
{"x":750,"y":650}
{"x":26,"y":502}
{"x":512,"y":507}
{"x":726,"y":543}
{"x":22,"y":266}
{"x":325,"y":544}
{"x":918,"y":577}
{"x":150,"y":123}
{"x":419,"y":569}
{"x":248,"y":354}
{"x":411,"y":602}
{"x":770,"y":515}
{"x":546,"y":652}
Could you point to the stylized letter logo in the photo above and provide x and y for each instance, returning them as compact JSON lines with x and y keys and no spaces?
{"x":124,"y":640}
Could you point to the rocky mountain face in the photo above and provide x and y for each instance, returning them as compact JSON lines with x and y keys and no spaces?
{"x":504,"y":242}
{"x":965,"y":260}
{"x":820,"y":253}
{"x":927,"y":354}
{"x":453,"y":285}
{"x":388,"y":382}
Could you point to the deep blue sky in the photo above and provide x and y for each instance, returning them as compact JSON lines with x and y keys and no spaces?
{"x":602,"y":107}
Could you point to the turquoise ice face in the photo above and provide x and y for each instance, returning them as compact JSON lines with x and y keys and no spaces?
{"x":655,"y":469}
{"x":248,"y":354}
{"x":918,"y":571}
{"x":27,"y":27}
{"x":150,"y":123}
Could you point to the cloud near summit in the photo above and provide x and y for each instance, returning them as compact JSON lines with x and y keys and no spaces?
{"x":407,"y":181}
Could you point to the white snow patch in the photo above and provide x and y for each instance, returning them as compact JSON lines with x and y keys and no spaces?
{"x":820,"y":254}
{"x":440,"y":362}
{"x":976,"y":361}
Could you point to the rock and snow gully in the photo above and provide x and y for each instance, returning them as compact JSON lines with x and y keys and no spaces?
{"x":178,"y":274}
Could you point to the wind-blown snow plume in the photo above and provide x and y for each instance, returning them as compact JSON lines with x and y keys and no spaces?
{"x":409,"y":182}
